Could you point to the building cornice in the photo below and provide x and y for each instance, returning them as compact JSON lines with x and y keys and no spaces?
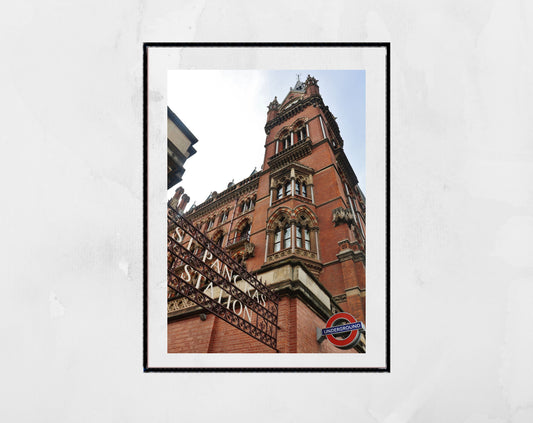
{"x":292,"y":154}
{"x":246,"y":185}
{"x":346,"y":167}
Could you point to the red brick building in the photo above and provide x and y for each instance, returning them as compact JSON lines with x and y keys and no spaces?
{"x":298,"y":224}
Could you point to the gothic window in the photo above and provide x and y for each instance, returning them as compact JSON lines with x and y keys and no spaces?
{"x":277,"y":240}
{"x":245,"y":232}
{"x":299,"y":236}
{"x":307,"y":238}
{"x":224,"y":216}
{"x":300,"y":134}
{"x":282,"y":234}
{"x":247,"y":205}
{"x":285,"y":141}
{"x":297,"y":187}
{"x":286,"y":236}
{"x":280,"y":192}
{"x":304,"y":189}
{"x":288,"y":186}
{"x":303,"y":237}
{"x":210,"y":223}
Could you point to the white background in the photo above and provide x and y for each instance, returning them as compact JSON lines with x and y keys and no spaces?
{"x":71,"y":220}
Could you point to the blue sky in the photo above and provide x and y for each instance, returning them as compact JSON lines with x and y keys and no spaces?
{"x":226,"y":111}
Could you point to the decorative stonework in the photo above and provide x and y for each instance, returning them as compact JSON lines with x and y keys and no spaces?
{"x":280,"y":254}
{"x":248,"y":250}
{"x":311,"y":81}
{"x":305,"y":253}
{"x":241,"y":247}
{"x":342,"y":215}
{"x":340,"y":298}
{"x":179,"y":304}
{"x":274,"y":105}
{"x":293,"y":153}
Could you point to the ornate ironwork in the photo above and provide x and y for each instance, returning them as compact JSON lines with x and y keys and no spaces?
{"x":265,"y":315}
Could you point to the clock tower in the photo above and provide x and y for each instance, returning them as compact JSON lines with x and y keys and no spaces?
{"x":298,"y":225}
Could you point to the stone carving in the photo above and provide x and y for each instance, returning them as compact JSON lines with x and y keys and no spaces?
{"x":248,"y":250}
{"x":340,"y":298}
{"x":342,"y":215}
{"x":311,"y":80}
{"x":179,"y":304}
{"x":274,"y":105}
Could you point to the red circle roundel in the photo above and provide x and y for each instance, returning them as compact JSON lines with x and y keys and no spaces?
{"x":340,"y":319}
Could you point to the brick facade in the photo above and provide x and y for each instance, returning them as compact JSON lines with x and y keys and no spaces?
{"x":298,"y":224}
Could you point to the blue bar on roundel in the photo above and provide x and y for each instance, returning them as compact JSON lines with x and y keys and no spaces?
{"x":342,"y":328}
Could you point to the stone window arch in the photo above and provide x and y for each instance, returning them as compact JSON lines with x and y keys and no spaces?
{"x":223,"y":216}
{"x":284,"y":139}
{"x":306,"y":231}
{"x":278,"y":231}
{"x":300,"y":131}
{"x":243,"y":230}
{"x":248,"y":204}
{"x":210,"y":223}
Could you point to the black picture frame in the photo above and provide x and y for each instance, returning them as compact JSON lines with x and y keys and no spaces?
{"x":162,"y":45}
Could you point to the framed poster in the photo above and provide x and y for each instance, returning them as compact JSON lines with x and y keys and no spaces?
{"x":267,"y":240}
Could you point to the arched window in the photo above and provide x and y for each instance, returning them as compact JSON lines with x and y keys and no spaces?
{"x":301,"y":134}
{"x":224,"y":216}
{"x":297,"y":187}
{"x":245,"y":232}
{"x":280,"y":192}
{"x":287,"y":236}
{"x":303,"y":237}
{"x":288,"y":186}
{"x":287,"y":141}
{"x":304,"y":189}
{"x":282,"y":238}
{"x":284,"y":141}
{"x":247,"y":205}
{"x":307,"y":238}
{"x":277,"y":240}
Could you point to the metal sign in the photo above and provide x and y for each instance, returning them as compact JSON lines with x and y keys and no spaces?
{"x":210,"y":278}
{"x":343,"y":330}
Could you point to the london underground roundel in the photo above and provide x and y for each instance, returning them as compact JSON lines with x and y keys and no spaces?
{"x":343,"y":330}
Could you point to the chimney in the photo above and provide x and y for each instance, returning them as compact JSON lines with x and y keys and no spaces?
{"x":183,"y":203}
{"x":174,"y":201}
